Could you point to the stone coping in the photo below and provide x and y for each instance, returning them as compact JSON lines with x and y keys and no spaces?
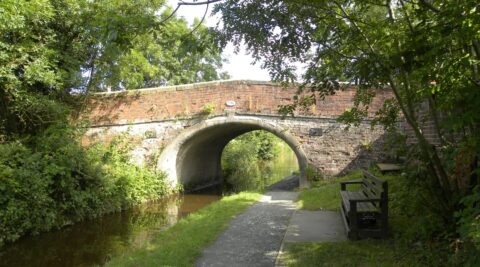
{"x":190,"y":86}
{"x":239,"y":114}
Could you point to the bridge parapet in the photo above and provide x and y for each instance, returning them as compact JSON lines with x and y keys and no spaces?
{"x":249,"y":97}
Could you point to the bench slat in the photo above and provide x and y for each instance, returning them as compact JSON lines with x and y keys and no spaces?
{"x":370,"y":193}
{"x":372,"y":177}
{"x":371,"y":186}
{"x":361,"y":206}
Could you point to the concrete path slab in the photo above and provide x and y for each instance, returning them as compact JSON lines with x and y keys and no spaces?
{"x":315,"y":226}
{"x":254,"y":237}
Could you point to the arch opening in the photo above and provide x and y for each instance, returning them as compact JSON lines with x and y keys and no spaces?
{"x":256,"y":160}
{"x":194,"y":157}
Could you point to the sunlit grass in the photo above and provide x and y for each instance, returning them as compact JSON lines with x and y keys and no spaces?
{"x":355,"y":253}
{"x":324,"y":194}
{"x":183,"y":243}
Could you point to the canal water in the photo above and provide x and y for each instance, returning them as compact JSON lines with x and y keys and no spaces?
{"x":283,"y":165}
{"x":94,"y":242}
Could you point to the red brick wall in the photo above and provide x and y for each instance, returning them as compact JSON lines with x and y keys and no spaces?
{"x":187,"y":100}
{"x":426,"y":123}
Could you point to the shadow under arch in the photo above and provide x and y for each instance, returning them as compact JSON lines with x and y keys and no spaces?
{"x":194,"y":156}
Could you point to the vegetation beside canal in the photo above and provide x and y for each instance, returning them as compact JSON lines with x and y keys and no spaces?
{"x":53,"y":181}
{"x":414,"y":237}
{"x":47,"y":179}
{"x":183,"y":243}
{"x":255,"y":160}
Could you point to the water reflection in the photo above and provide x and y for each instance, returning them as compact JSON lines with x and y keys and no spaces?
{"x":94,"y":242}
{"x":283,"y":165}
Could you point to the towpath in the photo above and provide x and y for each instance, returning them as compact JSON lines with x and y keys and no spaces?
{"x":257,"y":236}
{"x":254,"y":238}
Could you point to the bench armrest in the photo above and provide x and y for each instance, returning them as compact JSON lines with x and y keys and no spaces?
{"x":343,"y":185}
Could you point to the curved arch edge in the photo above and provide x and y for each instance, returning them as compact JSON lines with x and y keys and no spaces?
{"x":169,"y":158}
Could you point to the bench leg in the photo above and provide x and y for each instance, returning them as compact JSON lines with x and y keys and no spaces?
{"x":353,"y":234}
{"x":384,"y":220}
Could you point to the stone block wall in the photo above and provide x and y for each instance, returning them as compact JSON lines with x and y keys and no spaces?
{"x":182,"y":101}
{"x":331,"y":147}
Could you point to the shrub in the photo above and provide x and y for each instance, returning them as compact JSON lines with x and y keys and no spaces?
{"x":24,"y":192}
{"x":246,"y":161}
{"x":49,"y":181}
{"x":207,"y":109}
{"x":468,"y":247}
{"x":312,"y":174}
{"x":150,"y":134}
{"x":240,"y":167}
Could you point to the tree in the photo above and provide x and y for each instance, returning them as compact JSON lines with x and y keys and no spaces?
{"x":173,"y":53}
{"x":49,"y":47}
{"x":424,"y":51}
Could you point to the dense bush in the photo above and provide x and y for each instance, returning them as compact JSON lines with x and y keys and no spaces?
{"x":468,"y":245}
{"x":240,"y":166}
{"x":245,"y":161}
{"x":132,"y":184}
{"x":417,"y":223}
{"x":49,"y":181}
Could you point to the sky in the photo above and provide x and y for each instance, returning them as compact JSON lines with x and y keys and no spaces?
{"x":239,"y":65}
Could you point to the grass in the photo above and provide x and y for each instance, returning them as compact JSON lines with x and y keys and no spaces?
{"x":357,"y":253}
{"x":362,"y":253}
{"x":183,"y":243}
{"x":324,"y":195}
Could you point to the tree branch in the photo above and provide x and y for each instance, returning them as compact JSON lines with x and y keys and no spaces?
{"x":428,"y":150}
{"x":476,"y":47}
{"x":354,"y":23}
{"x":410,"y":25}
{"x":408,"y":111}
{"x":182,"y":3}
{"x":436,"y":121}
{"x":170,"y":16}
{"x":201,"y":21}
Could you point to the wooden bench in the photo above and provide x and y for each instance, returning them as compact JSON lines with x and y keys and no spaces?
{"x":365,"y":212}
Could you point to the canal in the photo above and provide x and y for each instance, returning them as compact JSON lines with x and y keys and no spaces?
{"x":94,"y":242}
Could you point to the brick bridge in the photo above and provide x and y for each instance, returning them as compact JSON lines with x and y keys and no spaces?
{"x":173,"y":120}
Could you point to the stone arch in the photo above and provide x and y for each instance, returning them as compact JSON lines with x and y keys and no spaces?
{"x":194,"y":155}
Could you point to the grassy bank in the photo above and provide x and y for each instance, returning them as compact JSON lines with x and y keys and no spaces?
{"x":324,"y":194}
{"x":183,"y":243}
{"x":395,"y":251}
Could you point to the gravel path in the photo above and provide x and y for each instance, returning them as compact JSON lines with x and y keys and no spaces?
{"x":254,"y":237}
